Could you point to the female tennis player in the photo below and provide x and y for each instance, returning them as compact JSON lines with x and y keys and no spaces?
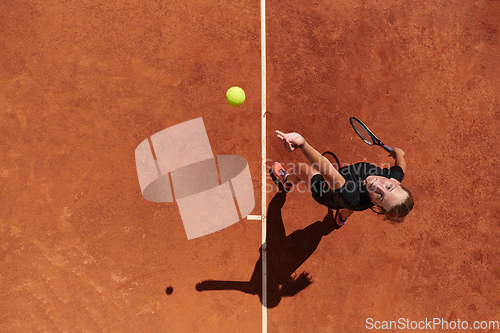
{"x":351,"y":188}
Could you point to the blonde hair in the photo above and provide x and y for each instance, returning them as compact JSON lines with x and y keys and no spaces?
{"x":397,"y":213}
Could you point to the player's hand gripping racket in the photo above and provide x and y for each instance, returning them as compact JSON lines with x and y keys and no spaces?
{"x":364,"y":133}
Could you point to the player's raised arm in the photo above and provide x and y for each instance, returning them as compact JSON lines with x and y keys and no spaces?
{"x":398,"y":154}
{"x":292,"y":141}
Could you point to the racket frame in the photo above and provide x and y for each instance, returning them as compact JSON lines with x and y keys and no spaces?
{"x":375,"y":140}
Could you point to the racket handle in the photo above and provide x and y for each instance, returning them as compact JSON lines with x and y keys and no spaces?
{"x":386,"y":147}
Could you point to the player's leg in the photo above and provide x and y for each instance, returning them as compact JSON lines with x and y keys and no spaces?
{"x":300,"y":173}
{"x":342,"y":215}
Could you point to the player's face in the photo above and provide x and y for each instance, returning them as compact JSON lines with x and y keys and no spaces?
{"x":384,"y":192}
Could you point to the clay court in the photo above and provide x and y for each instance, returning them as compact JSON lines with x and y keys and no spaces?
{"x":82,"y":83}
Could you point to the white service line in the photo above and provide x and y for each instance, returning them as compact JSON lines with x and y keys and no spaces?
{"x":263,"y":166}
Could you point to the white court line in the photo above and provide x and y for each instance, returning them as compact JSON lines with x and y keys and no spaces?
{"x":263,"y":165}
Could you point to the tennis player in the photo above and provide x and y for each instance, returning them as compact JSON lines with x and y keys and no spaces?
{"x":356,"y":187}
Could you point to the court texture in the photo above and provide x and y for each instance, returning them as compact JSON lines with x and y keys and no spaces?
{"x":83,"y":83}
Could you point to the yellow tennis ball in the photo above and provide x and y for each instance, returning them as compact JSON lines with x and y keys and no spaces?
{"x":235,"y":96}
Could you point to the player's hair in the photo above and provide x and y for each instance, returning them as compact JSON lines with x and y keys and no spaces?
{"x":397,"y":213}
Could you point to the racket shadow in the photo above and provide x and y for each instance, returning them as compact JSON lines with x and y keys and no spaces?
{"x":285,"y":254}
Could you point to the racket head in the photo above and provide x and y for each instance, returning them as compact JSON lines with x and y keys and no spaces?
{"x":362,"y":130}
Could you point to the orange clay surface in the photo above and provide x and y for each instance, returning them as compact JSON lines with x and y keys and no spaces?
{"x":82,"y":83}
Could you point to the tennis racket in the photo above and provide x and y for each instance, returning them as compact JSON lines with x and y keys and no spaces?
{"x":366,"y":135}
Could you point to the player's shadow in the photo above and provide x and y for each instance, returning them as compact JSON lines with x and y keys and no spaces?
{"x":284,"y":255}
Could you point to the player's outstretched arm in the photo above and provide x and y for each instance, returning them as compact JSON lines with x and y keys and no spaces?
{"x":292,"y":141}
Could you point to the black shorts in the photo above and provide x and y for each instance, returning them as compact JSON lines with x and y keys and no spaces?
{"x":324,"y":195}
